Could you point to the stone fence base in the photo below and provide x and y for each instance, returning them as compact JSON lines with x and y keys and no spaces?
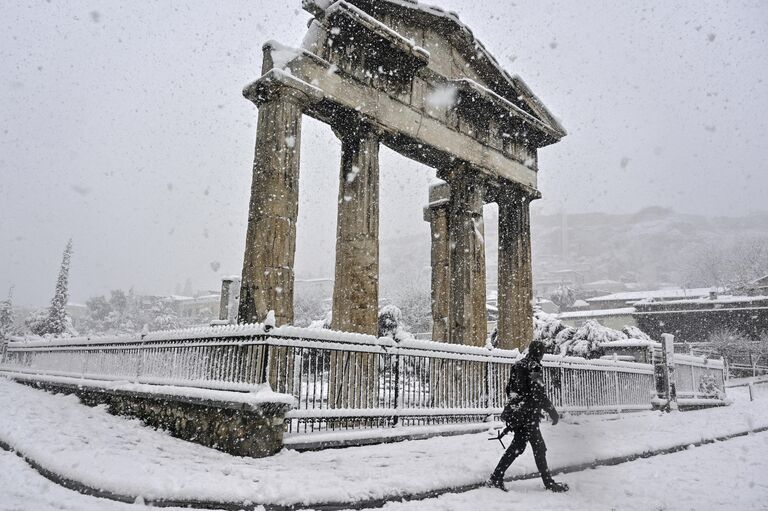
{"x":232,"y":426}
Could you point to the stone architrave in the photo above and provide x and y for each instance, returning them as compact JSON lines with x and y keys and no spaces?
{"x":515,"y":327}
{"x":436,"y":213}
{"x":468,"y":316}
{"x":356,"y":286}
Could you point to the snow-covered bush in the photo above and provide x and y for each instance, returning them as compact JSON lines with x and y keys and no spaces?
{"x":390,"y":319}
{"x":632,"y":332}
{"x":324,"y":324}
{"x":584,"y":341}
{"x":391,"y":324}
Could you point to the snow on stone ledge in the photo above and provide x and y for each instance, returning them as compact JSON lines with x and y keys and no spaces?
{"x":260,"y":394}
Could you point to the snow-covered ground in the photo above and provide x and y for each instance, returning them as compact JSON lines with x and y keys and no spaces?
{"x":23,"y":489}
{"x":730,"y":475}
{"x":124,"y":457}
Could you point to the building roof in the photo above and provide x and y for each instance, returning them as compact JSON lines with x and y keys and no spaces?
{"x":660,"y":294}
{"x":759,"y":282}
{"x":623,"y":311}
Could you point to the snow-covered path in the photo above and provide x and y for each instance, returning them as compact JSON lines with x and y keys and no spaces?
{"x":723,"y":476}
{"x":124,"y":457}
{"x":726,"y":476}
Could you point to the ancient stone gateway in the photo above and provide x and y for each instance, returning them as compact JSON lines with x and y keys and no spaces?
{"x":415,"y":79}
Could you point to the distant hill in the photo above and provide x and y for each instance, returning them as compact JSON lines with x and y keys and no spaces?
{"x":651,"y":248}
{"x":655,"y":246}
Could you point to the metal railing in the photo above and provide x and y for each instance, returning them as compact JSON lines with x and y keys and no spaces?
{"x":699,"y":377}
{"x":339,"y":380}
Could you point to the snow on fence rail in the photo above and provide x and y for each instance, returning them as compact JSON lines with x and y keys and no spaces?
{"x":340,"y":380}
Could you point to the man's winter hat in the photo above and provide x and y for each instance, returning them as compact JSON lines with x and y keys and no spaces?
{"x":536,"y":349}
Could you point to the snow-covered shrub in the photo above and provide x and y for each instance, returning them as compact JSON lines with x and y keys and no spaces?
{"x":390,"y":319}
{"x":37,"y":322}
{"x":584,"y":341}
{"x":632,"y":332}
{"x":322,"y":324}
{"x":391,"y":324}
{"x":546,"y":328}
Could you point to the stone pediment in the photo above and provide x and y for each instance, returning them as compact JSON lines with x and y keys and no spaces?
{"x":436,"y":39}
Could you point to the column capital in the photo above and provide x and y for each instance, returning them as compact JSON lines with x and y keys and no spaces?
{"x":277,"y":84}
{"x":348,"y":126}
{"x":510,"y":193}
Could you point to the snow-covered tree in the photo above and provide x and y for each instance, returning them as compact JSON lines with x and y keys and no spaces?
{"x":727,"y":342}
{"x":165,"y":318}
{"x":57,"y":321}
{"x":563,"y":297}
{"x":6,"y":315}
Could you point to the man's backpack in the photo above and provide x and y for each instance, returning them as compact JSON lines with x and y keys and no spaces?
{"x":512,"y":413}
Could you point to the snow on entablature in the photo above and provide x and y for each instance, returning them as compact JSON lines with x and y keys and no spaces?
{"x":343,"y":14}
{"x":473,"y":92}
{"x":460,"y":37}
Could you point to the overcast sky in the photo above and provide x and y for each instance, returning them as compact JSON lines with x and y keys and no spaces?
{"x":124,"y":127}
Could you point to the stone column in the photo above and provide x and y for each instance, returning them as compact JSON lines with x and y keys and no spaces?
{"x":436,"y":213}
{"x":515,"y":281}
{"x":229,"y":300}
{"x":468,"y":317}
{"x":356,"y":284}
{"x":271,"y":238}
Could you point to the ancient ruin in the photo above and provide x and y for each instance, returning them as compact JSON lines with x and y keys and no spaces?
{"x":416,"y":79}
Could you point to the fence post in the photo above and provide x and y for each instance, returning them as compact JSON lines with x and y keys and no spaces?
{"x":3,"y":349}
{"x":616,"y":383}
{"x":395,"y":418}
{"x":670,"y":390}
{"x":488,"y":390}
{"x":695,"y":387}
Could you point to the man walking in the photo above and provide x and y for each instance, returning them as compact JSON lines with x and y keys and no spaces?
{"x":527,"y":399}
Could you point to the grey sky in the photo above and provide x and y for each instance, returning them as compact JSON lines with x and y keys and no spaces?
{"x":123,"y":126}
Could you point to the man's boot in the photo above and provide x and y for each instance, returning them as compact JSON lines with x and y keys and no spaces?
{"x":496,"y":482}
{"x":554,"y":486}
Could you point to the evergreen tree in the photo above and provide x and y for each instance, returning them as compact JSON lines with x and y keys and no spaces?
{"x":6,"y":315}
{"x":58,"y":322}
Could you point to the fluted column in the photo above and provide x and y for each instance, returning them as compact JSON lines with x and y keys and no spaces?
{"x":436,"y":213}
{"x":468,"y":316}
{"x":270,"y":245}
{"x":356,"y":284}
{"x":515,"y":327}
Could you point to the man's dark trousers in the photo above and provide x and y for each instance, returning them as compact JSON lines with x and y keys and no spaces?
{"x":523,"y":435}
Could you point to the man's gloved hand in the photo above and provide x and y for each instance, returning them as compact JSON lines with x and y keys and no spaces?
{"x":554,"y":416}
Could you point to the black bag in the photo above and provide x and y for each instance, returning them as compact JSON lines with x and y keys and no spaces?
{"x":512,"y":414}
